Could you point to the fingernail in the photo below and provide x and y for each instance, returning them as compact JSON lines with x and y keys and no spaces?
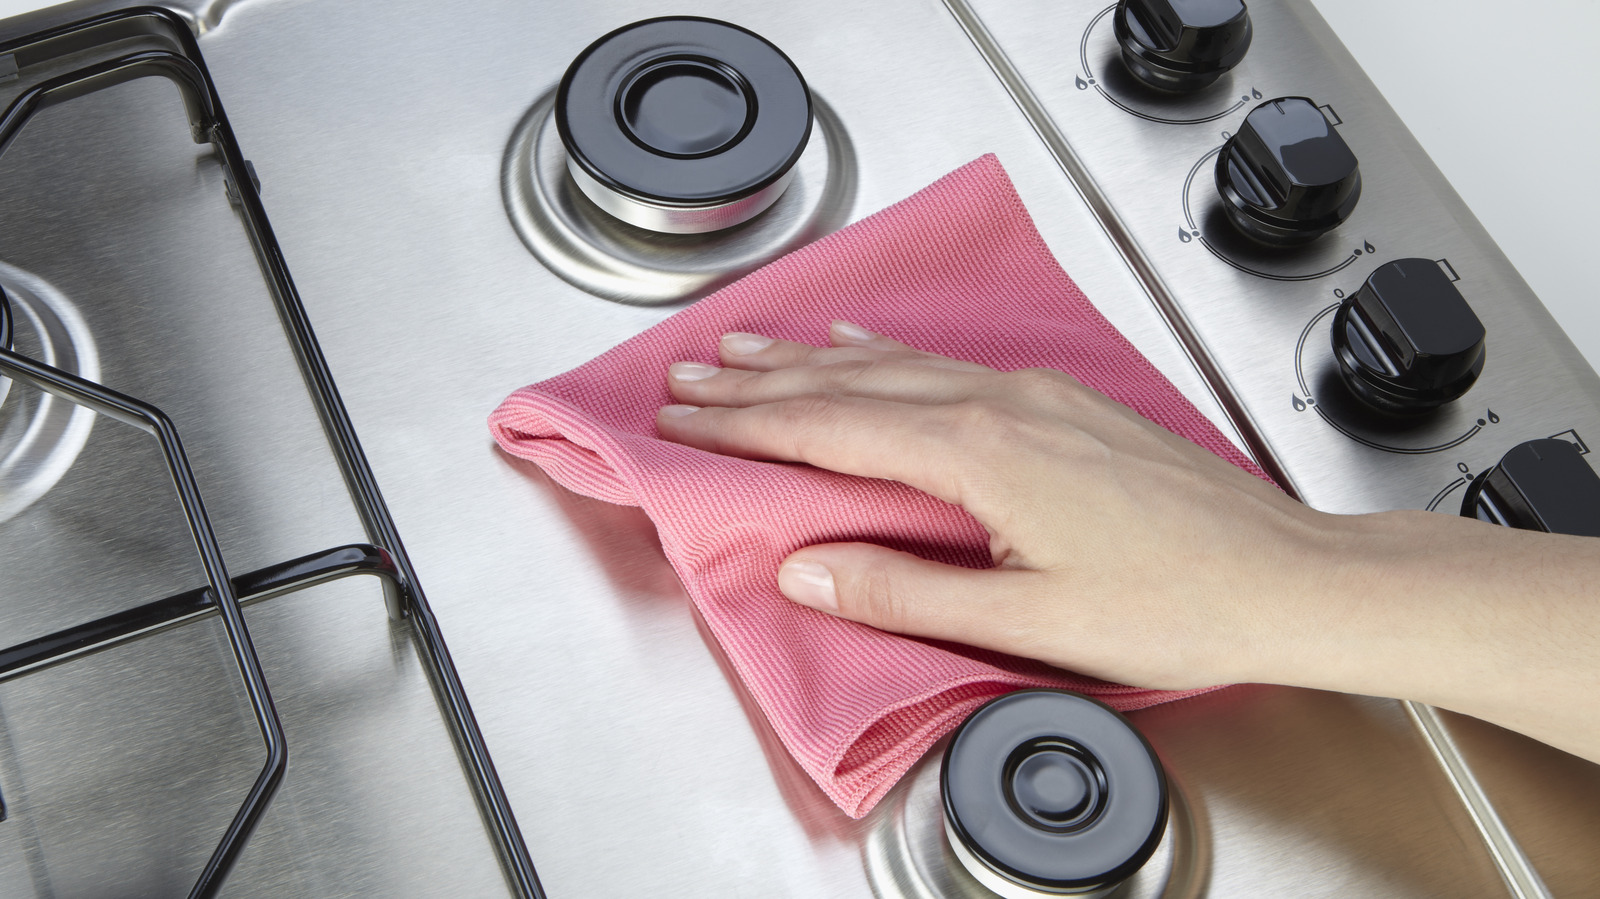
{"x":741,"y":344}
{"x":691,"y":371}
{"x":678,"y":411}
{"x":852,"y":333}
{"x":809,"y":584}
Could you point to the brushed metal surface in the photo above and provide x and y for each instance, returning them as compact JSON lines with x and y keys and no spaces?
{"x":634,"y":761}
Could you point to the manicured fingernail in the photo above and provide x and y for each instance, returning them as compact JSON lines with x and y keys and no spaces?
{"x":691,"y":371}
{"x":809,"y":584}
{"x":852,"y":333}
{"x":741,"y":344}
{"x":678,"y":411}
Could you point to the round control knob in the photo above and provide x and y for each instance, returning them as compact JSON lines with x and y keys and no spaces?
{"x":1541,"y":485}
{"x":1048,"y":792}
{"x":1287,"y":177}
{"x":1407,"y":342}
{"x":682,"y":124}
{"x":1181,"y":45}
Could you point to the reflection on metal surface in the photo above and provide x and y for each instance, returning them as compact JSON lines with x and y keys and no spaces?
{"x":1523,"y":881}
{"x":908,"y":854}
{"x":591,"y":249}
{"x":678,"y":219}
{"x":41,"y":435}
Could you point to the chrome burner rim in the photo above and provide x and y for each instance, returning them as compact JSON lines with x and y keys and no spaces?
{"x":591,"y":249}
{"x":40,"y":440}
{"x":908,"y":854}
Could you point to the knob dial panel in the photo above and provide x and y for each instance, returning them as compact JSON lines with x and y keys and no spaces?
{"x":1181,"y":45}
{"x":1407,"y":342}
{"x":1541,"y":485}
{"x":1287,"y":177}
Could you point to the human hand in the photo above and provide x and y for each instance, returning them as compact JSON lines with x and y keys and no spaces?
{"x":1121,"y":550}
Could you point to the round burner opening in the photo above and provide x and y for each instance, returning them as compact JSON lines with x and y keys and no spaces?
{"x":40,"y":434}
{"x":686,"y":107}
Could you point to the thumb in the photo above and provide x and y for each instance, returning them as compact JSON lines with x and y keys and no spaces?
{"x":899,"y":592}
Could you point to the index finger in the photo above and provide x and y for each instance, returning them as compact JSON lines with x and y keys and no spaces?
{"x":873,"y":438}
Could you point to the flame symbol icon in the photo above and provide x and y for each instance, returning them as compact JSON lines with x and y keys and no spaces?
{"x":1299,"y":404}
{"x":1367,"y":245}
{"x":1082,"y":85}
{"x":1184,"y":235}
{"x":1255,"y":93}
{"x":1493,"y":418}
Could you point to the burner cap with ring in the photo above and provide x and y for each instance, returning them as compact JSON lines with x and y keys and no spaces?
{"x":683,"y":124}
{"x":1050,"y":793}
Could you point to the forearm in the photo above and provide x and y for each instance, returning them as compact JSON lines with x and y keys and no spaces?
{"x":1500,"y":624}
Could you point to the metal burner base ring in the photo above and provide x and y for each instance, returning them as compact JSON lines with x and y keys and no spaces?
{"x":908,"y":855}
{"x":41,"y":435}
{"x":588,"y":248}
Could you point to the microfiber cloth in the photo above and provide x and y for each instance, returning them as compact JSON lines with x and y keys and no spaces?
{"x":956,"y":269}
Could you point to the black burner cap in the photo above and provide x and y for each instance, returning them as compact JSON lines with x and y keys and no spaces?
{"x":683,"y":110}
{"x":1054,"y":791}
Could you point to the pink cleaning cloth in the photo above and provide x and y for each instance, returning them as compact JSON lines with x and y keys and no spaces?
{"x":957,"y":269}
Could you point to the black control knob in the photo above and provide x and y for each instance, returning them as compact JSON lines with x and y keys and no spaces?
{"x":1181,"y":45}
{"x":1051,"y":792}
{"x":1541,"y":485}
{"x":1407,"y":342}
{"x":1287,"y":177}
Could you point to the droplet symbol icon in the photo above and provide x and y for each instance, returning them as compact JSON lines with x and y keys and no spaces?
{"x":1082,"y":85}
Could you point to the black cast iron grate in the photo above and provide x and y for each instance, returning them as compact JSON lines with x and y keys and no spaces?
{"x":383,"y":557}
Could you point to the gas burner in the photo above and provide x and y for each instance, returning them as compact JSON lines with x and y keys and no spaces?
{"x":591,"y":249}
{"x":41,"y":435}
{"x":908,"y":853}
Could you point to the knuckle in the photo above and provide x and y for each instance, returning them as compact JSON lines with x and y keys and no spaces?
{"x":804,"y":419}
{"x":878,"y":603}
{"x":850,"y":375}
{"x":1047,"y":384}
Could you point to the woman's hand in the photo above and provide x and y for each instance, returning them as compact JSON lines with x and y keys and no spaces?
{"x":1121,"y":550}
{"x":1126,"y":552}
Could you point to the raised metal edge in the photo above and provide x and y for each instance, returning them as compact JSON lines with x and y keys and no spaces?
{"x":1521,"y":879}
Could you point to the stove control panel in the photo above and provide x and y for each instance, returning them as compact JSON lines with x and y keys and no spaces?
{"x":1328,"y":283}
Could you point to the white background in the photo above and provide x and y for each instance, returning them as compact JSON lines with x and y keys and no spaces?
{"x":1506,"y":99}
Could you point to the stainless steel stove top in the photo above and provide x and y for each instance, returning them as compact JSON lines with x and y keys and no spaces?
{"x":388,"y":139}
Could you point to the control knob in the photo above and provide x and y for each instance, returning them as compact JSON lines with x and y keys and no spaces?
{"x":1407,"y":342}
{"x":1541,"y":485}
{"x":1287,"y":177}
{"x":1181,"y":45}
